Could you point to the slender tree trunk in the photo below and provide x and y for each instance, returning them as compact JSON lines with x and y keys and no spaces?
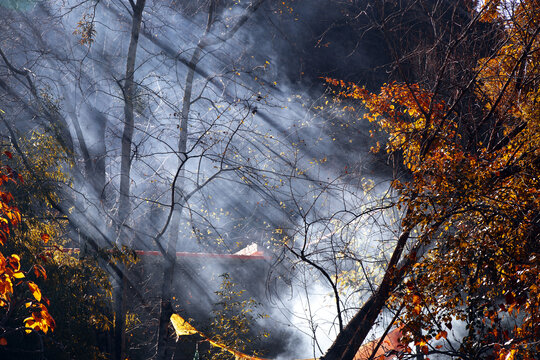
{"x":124,"y":206}
{"x":169,"y":264}
{"x":93,"y":156}
{"x":98,"y":153}
{"x":129,"y":89}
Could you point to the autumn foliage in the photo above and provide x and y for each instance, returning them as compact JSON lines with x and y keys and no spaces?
{"x":471,"y":191}
{"x":16,"y":290}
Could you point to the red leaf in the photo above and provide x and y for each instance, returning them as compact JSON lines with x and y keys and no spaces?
{"x":45,"y":237}
{"x":40,"y":271}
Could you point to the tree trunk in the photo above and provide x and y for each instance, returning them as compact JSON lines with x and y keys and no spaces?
{"x":169,"y":264}
{"x":351,"y":338}
{"x":124,"y":207}
{"x":129,"y":90}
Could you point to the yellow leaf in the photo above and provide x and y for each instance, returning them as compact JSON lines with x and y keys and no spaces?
{"x":18,"y":275}
{"x":30,"y":323}
{"x":181,"y":326}
{"x":511,"y":355}
{"x":35,"y":290}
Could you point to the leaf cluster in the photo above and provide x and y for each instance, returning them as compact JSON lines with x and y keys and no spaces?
{"x":233,"y":320}
{"x":472,"y":200}
{"x":19,"y":296}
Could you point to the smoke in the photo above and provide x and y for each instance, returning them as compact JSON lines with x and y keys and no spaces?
{"x":268,"y":151}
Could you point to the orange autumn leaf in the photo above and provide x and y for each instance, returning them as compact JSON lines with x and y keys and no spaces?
{"x":34,"y":289}
{"x":45,"y":237}
{"x":14,"y":262}
{"x":442,"y":334}
{"x":40,"y":271}
{"x":10,"y":267}
{"x":469,"y":182}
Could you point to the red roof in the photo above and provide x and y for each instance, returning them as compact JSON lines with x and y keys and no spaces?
{"x":250,"y":252}
{"x":389,"y":348}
